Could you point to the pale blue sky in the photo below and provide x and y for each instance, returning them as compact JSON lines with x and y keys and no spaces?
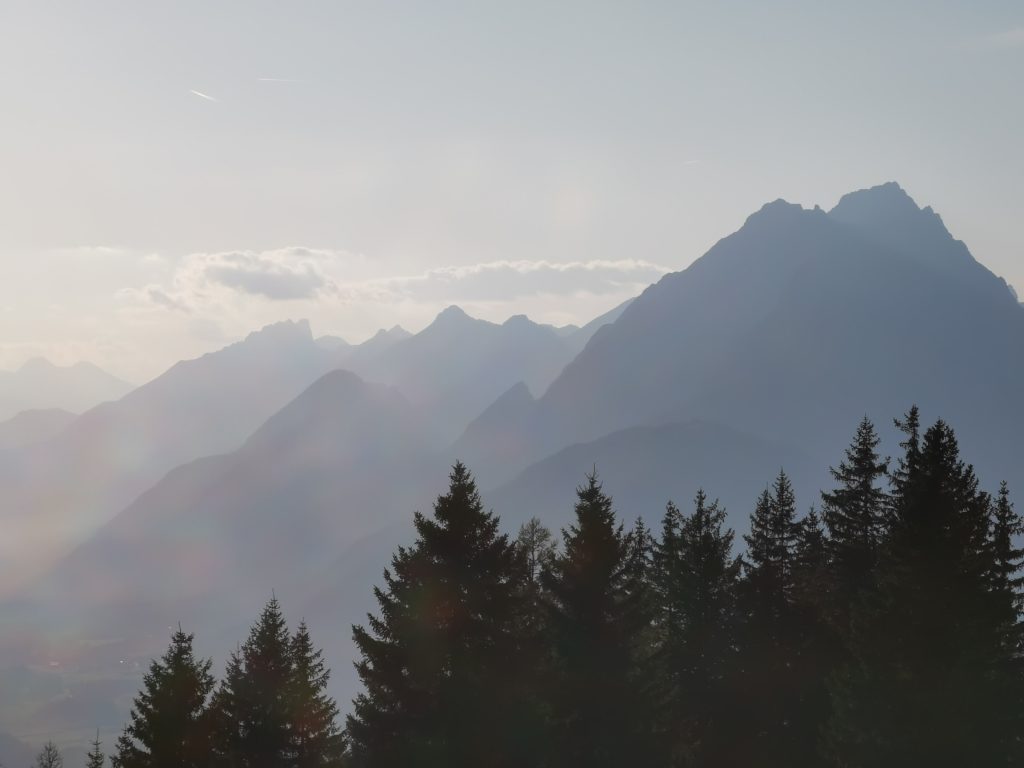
{"x":423,"y":153}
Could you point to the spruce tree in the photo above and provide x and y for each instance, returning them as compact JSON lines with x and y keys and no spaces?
{"x":697,"y":575}
{"x":167,"y":726}
{"x":252,"y":707}
{"x":535,"y":551}
{"x":95,"y":757}
{"x":926,"y":683}
{"x":316,"y":741}
{"x":1006,"y":529}
{"x":769,"y":640}
{"x":855,"y":513}
{"x":816,"y":644}
{"x":439,"y":660}
{"x":597,"y":693}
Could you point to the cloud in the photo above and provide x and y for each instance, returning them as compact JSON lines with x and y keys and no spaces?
{"x":209,"y":282}
{"x":279,"y":275}
{"x":507,"y":280}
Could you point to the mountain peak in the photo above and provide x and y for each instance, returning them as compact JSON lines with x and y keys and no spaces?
{"x":887,"y":215}
{"x":283,"y":332}
{"x":519,"y":321}
{"x":778,"y":213}
{"x":36,"y":364}
{"x":453,"y":313}
{"x":884,"y":200}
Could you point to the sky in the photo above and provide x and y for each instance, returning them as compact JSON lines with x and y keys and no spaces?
{"x":174,"y":175}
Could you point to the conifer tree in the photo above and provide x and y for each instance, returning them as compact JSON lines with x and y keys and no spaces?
{"x":1006,"y":529}
{"x":855,"y":514}
{"x":535,"y":552}
{"x":816,"y":645}
{"x":167,"y":726}
{"x":770,"y":639}
{"x":251,"y":709}
{"x":438,"y":666}
{"x":697,"y":574}
{"x":597,"y":692}
{"x":926,"y":685}
{"x":95,"y":757}
{"x":316,"y":741}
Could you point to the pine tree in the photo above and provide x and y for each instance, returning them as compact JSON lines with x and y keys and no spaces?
{"x":816,"y":644}
{"x":251,"y":709}
{"x":769,"y":640}
{"x":597,"y":691}
{"x":316,"y":741}
{"x":535,"y":552}
{"x":167,"y":726}
{"x":855,"y":514}
{"x":441,"y":682}
{"x":1006,"y":529}
{"x":697,"y":656}
{"x":49,"y":757}
{"x":925,"y":685}
{"x":95,"y":758}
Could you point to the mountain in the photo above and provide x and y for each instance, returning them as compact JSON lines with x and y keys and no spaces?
{"x":29,"y":427}
{"x":57,"y":492}
{"x":457,"y":365}
{"x":578,"y":337}
{"x":338,"y":462}
{"x":214,"y":538}
{"x":793,"y":328}
{"x":39,"y":384}
{"x":643,"y":468}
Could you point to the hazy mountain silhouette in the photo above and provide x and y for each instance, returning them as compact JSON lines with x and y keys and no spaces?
{"x":645,"y":467}
{"x":764,"y":352}
{"x":215,"y":536}
{"x":793,"y":328}
{"x":457,"y":365}
{"x":58,"y":491}
{"x":29,"y":427}
{"x":39,"y":384}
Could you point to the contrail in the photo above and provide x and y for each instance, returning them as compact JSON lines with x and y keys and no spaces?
{"x":202,"y":95}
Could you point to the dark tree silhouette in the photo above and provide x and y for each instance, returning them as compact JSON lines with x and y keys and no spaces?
{"x":251,"y":709}
{"x":925,"y":685}
{"x":769,"y":639}
{"x":855,"y":514}
{"x":167,"y":726}
{"x":316,"y":740}
{"x":599,"y":710}
{"x":49,"y":757}
{"x":695,"y":576}
{"x":95,"y":758}
{"x":438,"y":666}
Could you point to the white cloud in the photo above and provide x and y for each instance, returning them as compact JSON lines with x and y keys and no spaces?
{"x":508,"y":280}
{"x":213,"y":280}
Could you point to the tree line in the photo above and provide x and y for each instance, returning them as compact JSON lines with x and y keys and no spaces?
{"x":882,"y":629}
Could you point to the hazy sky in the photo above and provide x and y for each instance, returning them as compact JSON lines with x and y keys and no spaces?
{"x":175,"y":174}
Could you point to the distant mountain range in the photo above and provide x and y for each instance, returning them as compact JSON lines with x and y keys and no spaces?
{"x":39,"y":384}
{"x":293,"y":464}
{"x":35,"y":426}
